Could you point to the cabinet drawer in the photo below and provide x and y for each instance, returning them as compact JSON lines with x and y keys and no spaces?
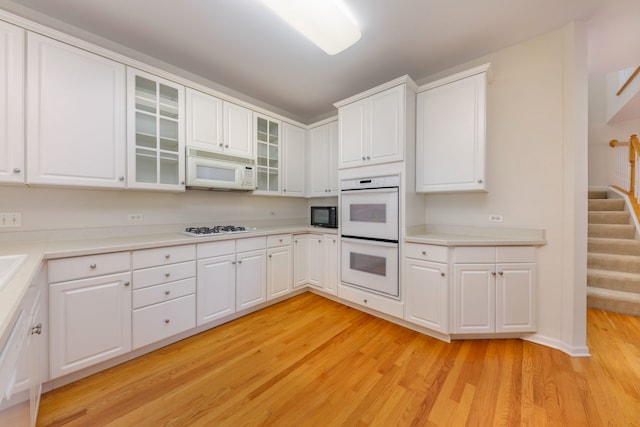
{"x":516,"y":254}
{"x":163,"y":274}
{"x":211,"y":249}
{"x":426,"y":252}
{"x":61,"y":270}
{"x":475,"y":254}
{"x":278,"y":240}
{"x":159,"y":321}
{"x":251,"y":244}
{"x":161,"y":293}
{"x":161,"y":256}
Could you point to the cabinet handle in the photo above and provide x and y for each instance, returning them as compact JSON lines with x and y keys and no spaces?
{"x":479,"y":180}
{"x":501,"y":273}
{"x":319,"y":241}
{"x":424,"y":253}
{"x":167,"y":256}
{"x":167,"y":321}
{"x":284,"y":190}
{"x":167,"y":292}
{"x":182,"y":182}
{"x":441,"y":274}
{"x":364,"y":158}
{"x":167,"y":274}
{"x":368,"y":157}
{"x":233,"y":262}
{"x":493,"y":273}
{"x":270,"y":255}
{"x":37,"y":329}
{"x":93,"y":266}
{"x":127,"y":284}
{"x":365,"y":301}
{"x":226,"y":146}
{"x":239,"y":261}
{"x":221,"y":145}
{"x":16,"y":170}
{"x":121,"y":178}
{"x":280,"y":240}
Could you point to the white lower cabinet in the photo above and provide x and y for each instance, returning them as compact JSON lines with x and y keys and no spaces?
{"x":427,"y":287}
{"x":279,"y":265}
{"x":308,"y":260}
{"x":90,"y":310}
{"x":251,"y":278}
{"x":164,"y":286}
{"x":300,"y":260}
{"x":330,"y":265}
{"x":494,"y":290}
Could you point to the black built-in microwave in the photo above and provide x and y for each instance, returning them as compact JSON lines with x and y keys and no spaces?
{"x":324,"y":216}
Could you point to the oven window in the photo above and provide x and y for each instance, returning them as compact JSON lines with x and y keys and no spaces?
{"x":216,"y":173}
{"x":369,"y":212}
{"x":368,"y":263}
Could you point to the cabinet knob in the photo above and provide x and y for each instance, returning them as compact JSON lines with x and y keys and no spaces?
{"x":127,"y":283}
{"x":167,"y":321}
{"x":221,"y":145}
{"x":92,"y":266}
{"x":167,"y":292}
{"x":167,"y":274}
{"x":239,"y":261}
{"x":364,"y":158}
{"x":121,"y":178}
{"x":280,"y":240}
{"x":233,"y":262}
{"x":493,"y":273}
{"x":270,"y":255}
{"x":226,"y":146}
{"x":479,"y":180}
{"x":424,"y":253}
{"x":368,"y":157}
{"x":182,"y":182}
{"x":16,"y":170}
{"x":167,"y":256}
{"x":501,"y":273}
{"x":365,"y":301}
{"x":441,"y":274}
{"x":319,"y":241}
{"x":284,"y":190}
{"x":37,"y":330}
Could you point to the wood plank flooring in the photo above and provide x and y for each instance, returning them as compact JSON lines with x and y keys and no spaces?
{"x":309,"y":361}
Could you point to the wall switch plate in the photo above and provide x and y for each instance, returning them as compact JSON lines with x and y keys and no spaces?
{"x":135,"y":217}
{"x":495,"y":218}
{"x":10,"y":219}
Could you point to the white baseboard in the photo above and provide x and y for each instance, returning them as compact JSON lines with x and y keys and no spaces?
{"x":573,"y":351}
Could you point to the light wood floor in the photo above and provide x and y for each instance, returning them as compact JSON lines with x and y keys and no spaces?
{"x":309,"y":361}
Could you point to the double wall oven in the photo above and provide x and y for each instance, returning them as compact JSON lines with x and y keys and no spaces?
{"x":369,"y":217}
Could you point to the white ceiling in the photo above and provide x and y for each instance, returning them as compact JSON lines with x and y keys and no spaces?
{"x":242,"y":46}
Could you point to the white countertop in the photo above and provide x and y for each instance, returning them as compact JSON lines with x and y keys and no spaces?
{"x":453,"y":235}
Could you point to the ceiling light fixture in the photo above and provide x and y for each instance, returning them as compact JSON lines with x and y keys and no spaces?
{"x":325,"y":22}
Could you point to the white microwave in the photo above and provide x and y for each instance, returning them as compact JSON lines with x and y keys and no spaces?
{"x":217,"y":171}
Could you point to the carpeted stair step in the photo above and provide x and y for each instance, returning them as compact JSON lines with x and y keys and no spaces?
{"x":606,"y":204}
{"x":608,"y":217}
{"x":614,"y":280}
{"x":612,"y":231}
{"x":603,"y":245}
{"x":622,"y":263}
{"x":597,"y":194}
{"x":611,"y":300}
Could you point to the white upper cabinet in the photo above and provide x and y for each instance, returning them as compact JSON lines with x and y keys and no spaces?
{"x":372,"y":128}
{"x":293,"y":160}
{"x":322,"y":162}
{"x":11,"y":103}
{"x":450,"y":133}
{"x":238,"y":130}
{"x":75,"y":116}
{"x":268,"y":145}
{"x":217,"y":125}
{"x":156,"y":132}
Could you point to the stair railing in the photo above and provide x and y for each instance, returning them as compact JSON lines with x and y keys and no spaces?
{"x":625,"y":170}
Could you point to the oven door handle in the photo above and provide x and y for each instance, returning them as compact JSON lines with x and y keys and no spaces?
{"x":372,"y":190}
{"x":369,"y":242}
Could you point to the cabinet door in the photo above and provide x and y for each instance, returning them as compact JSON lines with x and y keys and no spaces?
{"x":300,"y":260}
{"x":75,"y":116}
{"x":156,"y":132}
{"x":237,"y":123}
{"x":315,"y":260}
{"x":451,"y":158}
{"x":279,"y":271}
{"x":216,"y":288}
{"x":90,"y":322}
{"x":386,"y":126}
{"x":293,"y":139}
{"x":251,"y":279}
{"x":351,"y":134}
{"x":330,"y":264}
{"x":427,"y":291}
{"x":268,"y":146}
{"x":204,"y":121}
{"x":515,"y":298}
{"x":11,"y":103}
{"x":318,"y":161}
{"x":474,"y":298}
{"x":332,"y":159}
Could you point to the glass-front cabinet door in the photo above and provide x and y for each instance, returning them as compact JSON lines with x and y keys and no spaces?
{"x":156,"y":132}
{"x":268,"y":154}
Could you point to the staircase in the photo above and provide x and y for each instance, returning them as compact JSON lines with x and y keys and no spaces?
{"x":613,"y":257}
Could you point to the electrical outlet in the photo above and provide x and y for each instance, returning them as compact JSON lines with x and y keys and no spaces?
{"x":495,"y":218}
{"x":10,"y":219}
{"x":135,"y":217}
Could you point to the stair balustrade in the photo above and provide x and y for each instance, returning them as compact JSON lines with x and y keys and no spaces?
{"x":625,"y":169}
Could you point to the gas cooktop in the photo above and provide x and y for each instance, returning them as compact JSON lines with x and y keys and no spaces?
{"x":216,"y":230}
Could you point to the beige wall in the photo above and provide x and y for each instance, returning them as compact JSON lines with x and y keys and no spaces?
{"x":533,"y":175}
